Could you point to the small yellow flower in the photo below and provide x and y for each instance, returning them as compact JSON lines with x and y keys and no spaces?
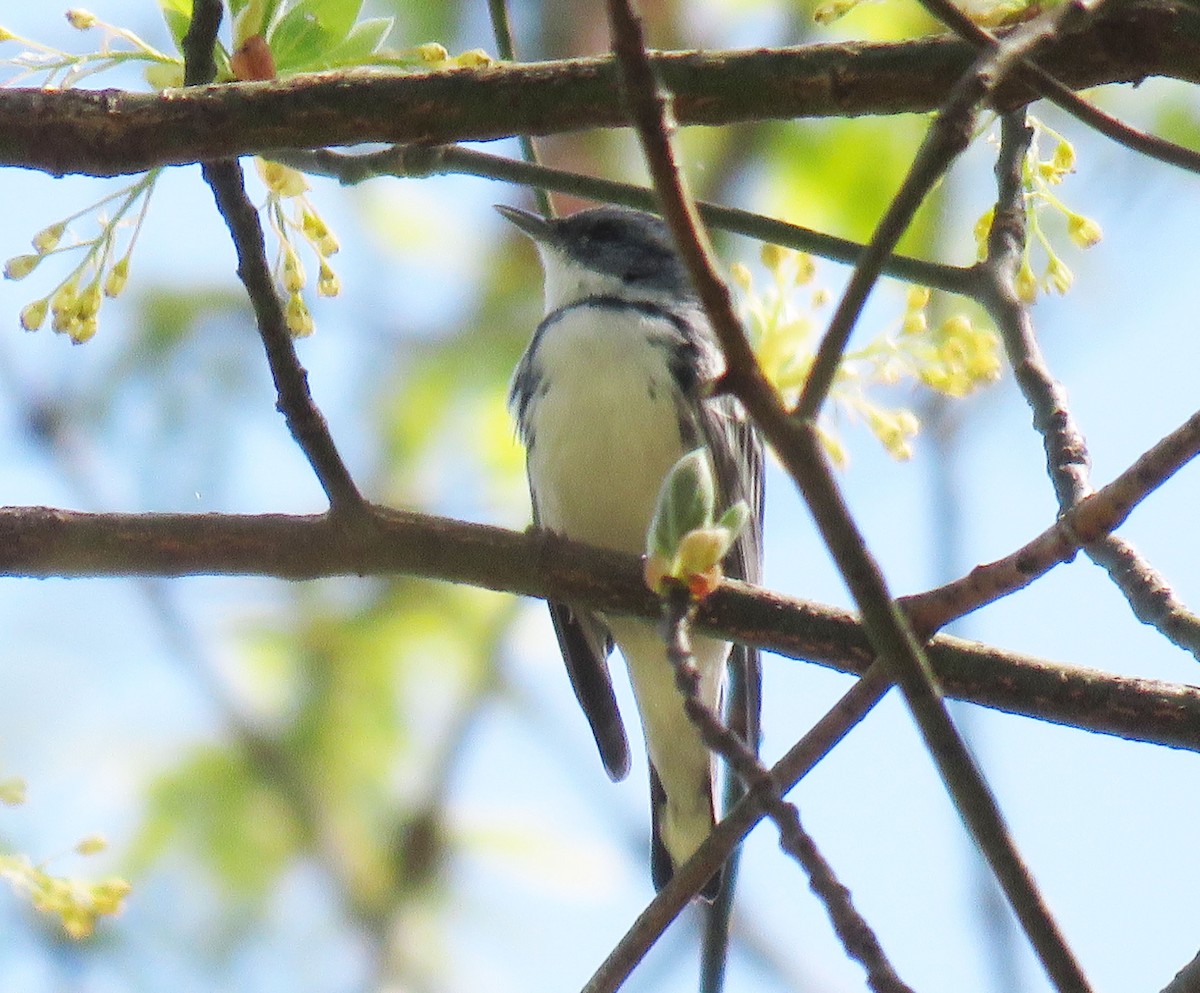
{"x":299,"y":318}
{"x":806,"y":268}
{"x":33,"y":315}
{"x":741,"y":277}
{"x":1026,"y":284}
{"x":118,"y":276}
{"x":1064,"y":156}
{"x":82,"y":329}
{"x":79,"y":924}
{"x":108,"y":894}
{"x":293,"y":270}
{"x":833,"y":448}
{"x":956,"y":326}
{"x":12,"y":791}
{"x":328,"y":284}
{"x":20,"y":266}
{"x":48,"y":238}
{"x":88,"y":304}
{"x":1058,"y":276}
{"x":1083,"y":230}
{"x":81,"y":19}
{"x":328,"y":245}
{"x":91,"y":845}
{"x":311,"y":224}
{"x":983,"y":228}
{"x":64,"y":302}
{"x":775,"y":256}
{"x":281,"y":180}
{"x":918,"y":297}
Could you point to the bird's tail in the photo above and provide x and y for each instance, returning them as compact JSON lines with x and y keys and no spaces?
{"x":673,"y":823}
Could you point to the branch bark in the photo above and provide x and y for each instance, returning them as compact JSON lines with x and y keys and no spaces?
{"x":40,"y":542}
{"x":110,"y":132}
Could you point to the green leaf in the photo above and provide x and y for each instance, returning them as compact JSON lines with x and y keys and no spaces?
{"x":734,"y":520}
{"x":310,"y":29}
{"x":360,"y":44}
{"x":178,"y":15}
{"x":685,"y":502}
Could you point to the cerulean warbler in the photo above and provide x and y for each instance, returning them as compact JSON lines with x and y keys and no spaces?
{"x":608,"y":396}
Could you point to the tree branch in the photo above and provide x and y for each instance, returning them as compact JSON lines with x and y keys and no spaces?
{"x":1087,"y":523}
{"x":418,"y":161}
{"x":728,"y":834}
{"x":305,"y":422}
{"x":947,"y":138}
{"x":40,"y":543}
{"x":1148,"y":593}
{"x":108,"y":132}
{"x":798,"y":446}
{"x":856,"y":935}
{"x":1062,"y":96}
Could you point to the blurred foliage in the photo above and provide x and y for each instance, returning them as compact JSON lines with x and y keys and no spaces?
{"x":77,"y":903}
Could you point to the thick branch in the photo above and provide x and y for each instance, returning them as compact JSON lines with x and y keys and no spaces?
{"x":37,"y":542}
{"x":110,"y":132}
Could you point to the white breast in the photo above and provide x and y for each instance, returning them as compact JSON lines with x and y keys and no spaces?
{"x":605,"y":428}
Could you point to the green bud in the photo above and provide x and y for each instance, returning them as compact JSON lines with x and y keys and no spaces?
{"x":685,"y":502}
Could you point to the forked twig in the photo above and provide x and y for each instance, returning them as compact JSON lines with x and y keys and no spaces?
{"x":796,"y":443}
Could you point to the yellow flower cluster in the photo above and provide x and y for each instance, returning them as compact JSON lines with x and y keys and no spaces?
{"x":287,"y":185}
{"x":74,"y":304}
{"x":959,"y":357}
{"x":61,"y":70}
{"x":436,"y":55}
{"x":781,"y":335}
{"x":1039,"y":174}
{"x":954,"y":358}
{"x":78,"y":905}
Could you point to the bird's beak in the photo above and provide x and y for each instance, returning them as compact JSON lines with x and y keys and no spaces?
{"x":534,"y":225}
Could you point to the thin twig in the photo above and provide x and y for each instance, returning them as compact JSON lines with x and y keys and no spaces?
{"x":1148,"y":593}
{"x":1065,"y":98}
{"x":798,"y":445}
{"x":800,"y":759}
{"x":224,"y":177}
{"x":295,"y":402}
{"x":502,"y":32}
{"x":199,"y":63}
{"x":947,"y":138}
{"x":1085,"y":524}
{"x":418,"y":161}
{"x":855,"y":934}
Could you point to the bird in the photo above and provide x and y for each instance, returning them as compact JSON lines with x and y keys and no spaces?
{"x":614,"y":387}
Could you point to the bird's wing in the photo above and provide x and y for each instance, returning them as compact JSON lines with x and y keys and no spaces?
{"x":585,"y":644}
{"x":737,"y":455}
